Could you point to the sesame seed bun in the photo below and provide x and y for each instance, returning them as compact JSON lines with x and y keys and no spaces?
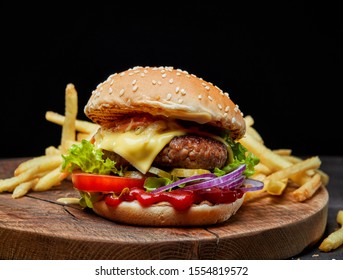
{"x":167,"y":92}
{"x":163,"y":214}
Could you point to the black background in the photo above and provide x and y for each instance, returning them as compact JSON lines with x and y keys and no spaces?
{"x":282,"y":64}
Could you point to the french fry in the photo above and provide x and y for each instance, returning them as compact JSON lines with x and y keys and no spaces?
{"x":283,"y":152}
{"x":323,"y":176}
{"x":259,"y":176}
{"x":266,"y":155}
{"x":49,"y":161}
{"x":68,"y":128}
{"x":335,"y":239}
{"x":249,"y":120}
{"x":262,"y":168}
{"x":68,"y":200}
{"x":53,"y":178}
{"x":308,"y":189}
{"x":301,"y":178}
{"x":276,"y":187}
{"x":81,"y":126}
{"x":24,"y":188}
{"x":51,"y":150}
{"x":288,"y":172}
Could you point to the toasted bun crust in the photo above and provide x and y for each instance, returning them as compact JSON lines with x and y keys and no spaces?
{"x":165,"y":215}
{"x":167,"y":92}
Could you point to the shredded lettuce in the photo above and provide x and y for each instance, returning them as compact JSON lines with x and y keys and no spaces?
{"x":86,"y":157}
{"x":240,"y":155}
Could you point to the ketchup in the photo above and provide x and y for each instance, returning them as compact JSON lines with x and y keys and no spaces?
{"x":180,"y":199}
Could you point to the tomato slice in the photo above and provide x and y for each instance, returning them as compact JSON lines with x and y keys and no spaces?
{"x":104,"y":183}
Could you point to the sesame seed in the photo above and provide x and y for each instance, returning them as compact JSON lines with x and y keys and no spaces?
{"x":188,"y":76}
{"x":136,"y":71}
{"x":236,"y":109}
{"x":200,"y":96}
{"x":225,"y":115}
{"x":122,"y":74}
{"x":121,"y":92}
{"x":163,"y":71}
{"x":227,"y":108}
{"x":203,"y":84}
{"x":131,"y":73}
{"x":111,"y":83}
{"x":180,"y":101}
{"x":178,"y":74}
{"x":134,"y":88}
{"x":210,"y":98}
{"x":171,"y":81}
{"x":142,"y":74}
{"x":134,"y":82}
{"x":159,"y":83}
{"x":110,"y":90}
{"x":207,"y":88}
{"x":153,"y":82}
{"x":145,"y":71}
{"x":220,"y":106}
{"x":226,"y":94}
{"x":183,"y":91}
{"x":164,"y":75}
{"x":233,"y":120}
{"x":169,"y":96}
{"x":177,"y":89}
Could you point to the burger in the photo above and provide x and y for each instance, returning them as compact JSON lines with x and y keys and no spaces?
{"x":166,"y":152}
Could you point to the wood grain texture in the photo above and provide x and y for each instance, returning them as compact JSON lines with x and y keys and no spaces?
{"x":37,"y":227}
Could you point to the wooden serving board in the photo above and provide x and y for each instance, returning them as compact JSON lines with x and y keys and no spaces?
{"x":37,"y":227}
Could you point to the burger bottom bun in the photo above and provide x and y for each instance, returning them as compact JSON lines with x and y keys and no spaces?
{"x":165,"y":215}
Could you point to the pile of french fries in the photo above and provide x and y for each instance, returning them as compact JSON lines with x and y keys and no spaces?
{"x":278,"y":168}
{"x":44,"y":172}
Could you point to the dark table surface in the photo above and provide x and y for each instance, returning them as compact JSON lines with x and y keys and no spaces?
{"x":333,"y":166}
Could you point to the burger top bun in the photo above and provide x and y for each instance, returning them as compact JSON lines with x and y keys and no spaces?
{"x":164,"y":91}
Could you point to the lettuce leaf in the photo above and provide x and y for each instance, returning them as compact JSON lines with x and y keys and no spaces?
{"x":240,"y":155}
{"x":86,"y":157}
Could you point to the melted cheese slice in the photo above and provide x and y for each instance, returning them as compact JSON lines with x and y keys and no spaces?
{"x":139,"y":148}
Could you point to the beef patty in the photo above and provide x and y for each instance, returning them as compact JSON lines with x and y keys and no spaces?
{"x":192,"y":151}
